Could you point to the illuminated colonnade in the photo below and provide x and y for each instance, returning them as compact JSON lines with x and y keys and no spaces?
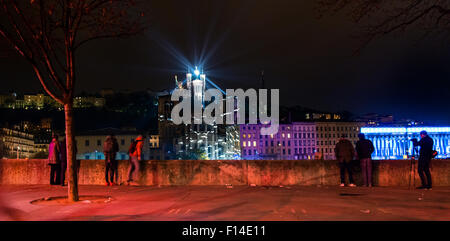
{"x":395,"y":142}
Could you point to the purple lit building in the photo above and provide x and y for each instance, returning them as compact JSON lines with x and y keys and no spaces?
{"x":293,"y":141}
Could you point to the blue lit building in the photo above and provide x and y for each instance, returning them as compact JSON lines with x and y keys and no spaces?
{"x":395,"y":142}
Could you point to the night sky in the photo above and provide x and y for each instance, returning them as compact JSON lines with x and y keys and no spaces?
{"x":310,"y":60}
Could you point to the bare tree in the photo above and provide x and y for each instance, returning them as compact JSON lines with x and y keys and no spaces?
{"x":47,"y":33}
{"x":381,"y":17}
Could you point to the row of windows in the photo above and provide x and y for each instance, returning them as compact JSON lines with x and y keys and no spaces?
{"x":351,"y":135}
{"x":100,"y":156}
{"x":300,"y":135}
{"x":283,"y":135}
{"x":307,"y":128}
{"x":283,"y":143}
{"x":326,"y":143}
{"x":99,"y":142}
{"x":338,"y":128}
{"x":326,"y":150}
{"x":284,"y":151}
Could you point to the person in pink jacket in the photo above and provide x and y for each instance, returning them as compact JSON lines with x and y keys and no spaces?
{"x":54,"y":161}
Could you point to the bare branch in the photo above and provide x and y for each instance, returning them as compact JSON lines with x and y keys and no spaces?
{"x":382,"y":17}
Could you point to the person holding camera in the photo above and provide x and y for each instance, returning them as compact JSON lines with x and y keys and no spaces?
{"x":425,"y":155}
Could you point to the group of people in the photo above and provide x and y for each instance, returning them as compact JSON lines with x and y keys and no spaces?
{"x":110,"y":149}
{"x":344,"y":150}
{"x":345,"y":154}
{"x":57,"y":159}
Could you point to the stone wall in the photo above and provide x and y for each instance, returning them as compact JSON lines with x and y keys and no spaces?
{"x":244,"y":172}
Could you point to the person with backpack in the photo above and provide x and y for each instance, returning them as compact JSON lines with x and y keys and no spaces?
{"x":425,"y":156}
{"x":364,"y":150}
{"x":54,"y":160}
{"x":110,"y":149}
{"x":135,"y":152}
{"x":344,"y":154}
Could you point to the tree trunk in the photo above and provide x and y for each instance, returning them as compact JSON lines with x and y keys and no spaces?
{"x":71,"y":155}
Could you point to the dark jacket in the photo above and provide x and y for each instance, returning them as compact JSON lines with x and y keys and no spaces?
{"x":114,"y":144}
{"x":344,"y":150}
{"x":364,"y":148}
{"x":63,"y":151}
{"x":426,"y":148}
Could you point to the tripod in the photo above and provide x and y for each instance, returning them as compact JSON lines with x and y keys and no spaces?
{"x":412,"y":172}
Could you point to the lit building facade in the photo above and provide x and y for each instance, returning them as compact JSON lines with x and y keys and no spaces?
{"x":297,"y":140}
{"x":322,"y":116}
{"x":40,"y":101}
{"x":395,"y":142}
{"x":17,"y":144}
{"x":215,"y":141}
{"x":232,"y":143}
{"x":154,"y":148}
{"x":153,"y":141}
{"x":292,"y":142}
{"x":37,"y":101}
{"x":90,"y":144}
{"x":88,"y":102}
{"x":329,"y":133}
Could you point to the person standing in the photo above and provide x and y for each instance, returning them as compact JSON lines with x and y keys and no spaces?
{"x":110,"y":148}
{"x":425,"y":155}
{"x":344,"y":154}
{"x":54,"y":160}
{"x":63,"y":158}
{"x":135,"y":153}
{"x":364,"y":150}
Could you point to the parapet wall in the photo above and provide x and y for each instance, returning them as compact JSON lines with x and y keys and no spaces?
{"x":235,"y":172}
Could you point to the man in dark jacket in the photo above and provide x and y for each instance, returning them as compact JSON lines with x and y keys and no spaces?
{"x":425,"y":155}
{"x":110,"y":149}
{"x":364,"y":150}
{"x":344,"y":154}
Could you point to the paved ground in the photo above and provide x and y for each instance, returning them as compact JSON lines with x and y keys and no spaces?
{"x":238,"y":203}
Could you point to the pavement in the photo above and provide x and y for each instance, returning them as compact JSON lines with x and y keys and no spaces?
{"x":219,"y":203}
